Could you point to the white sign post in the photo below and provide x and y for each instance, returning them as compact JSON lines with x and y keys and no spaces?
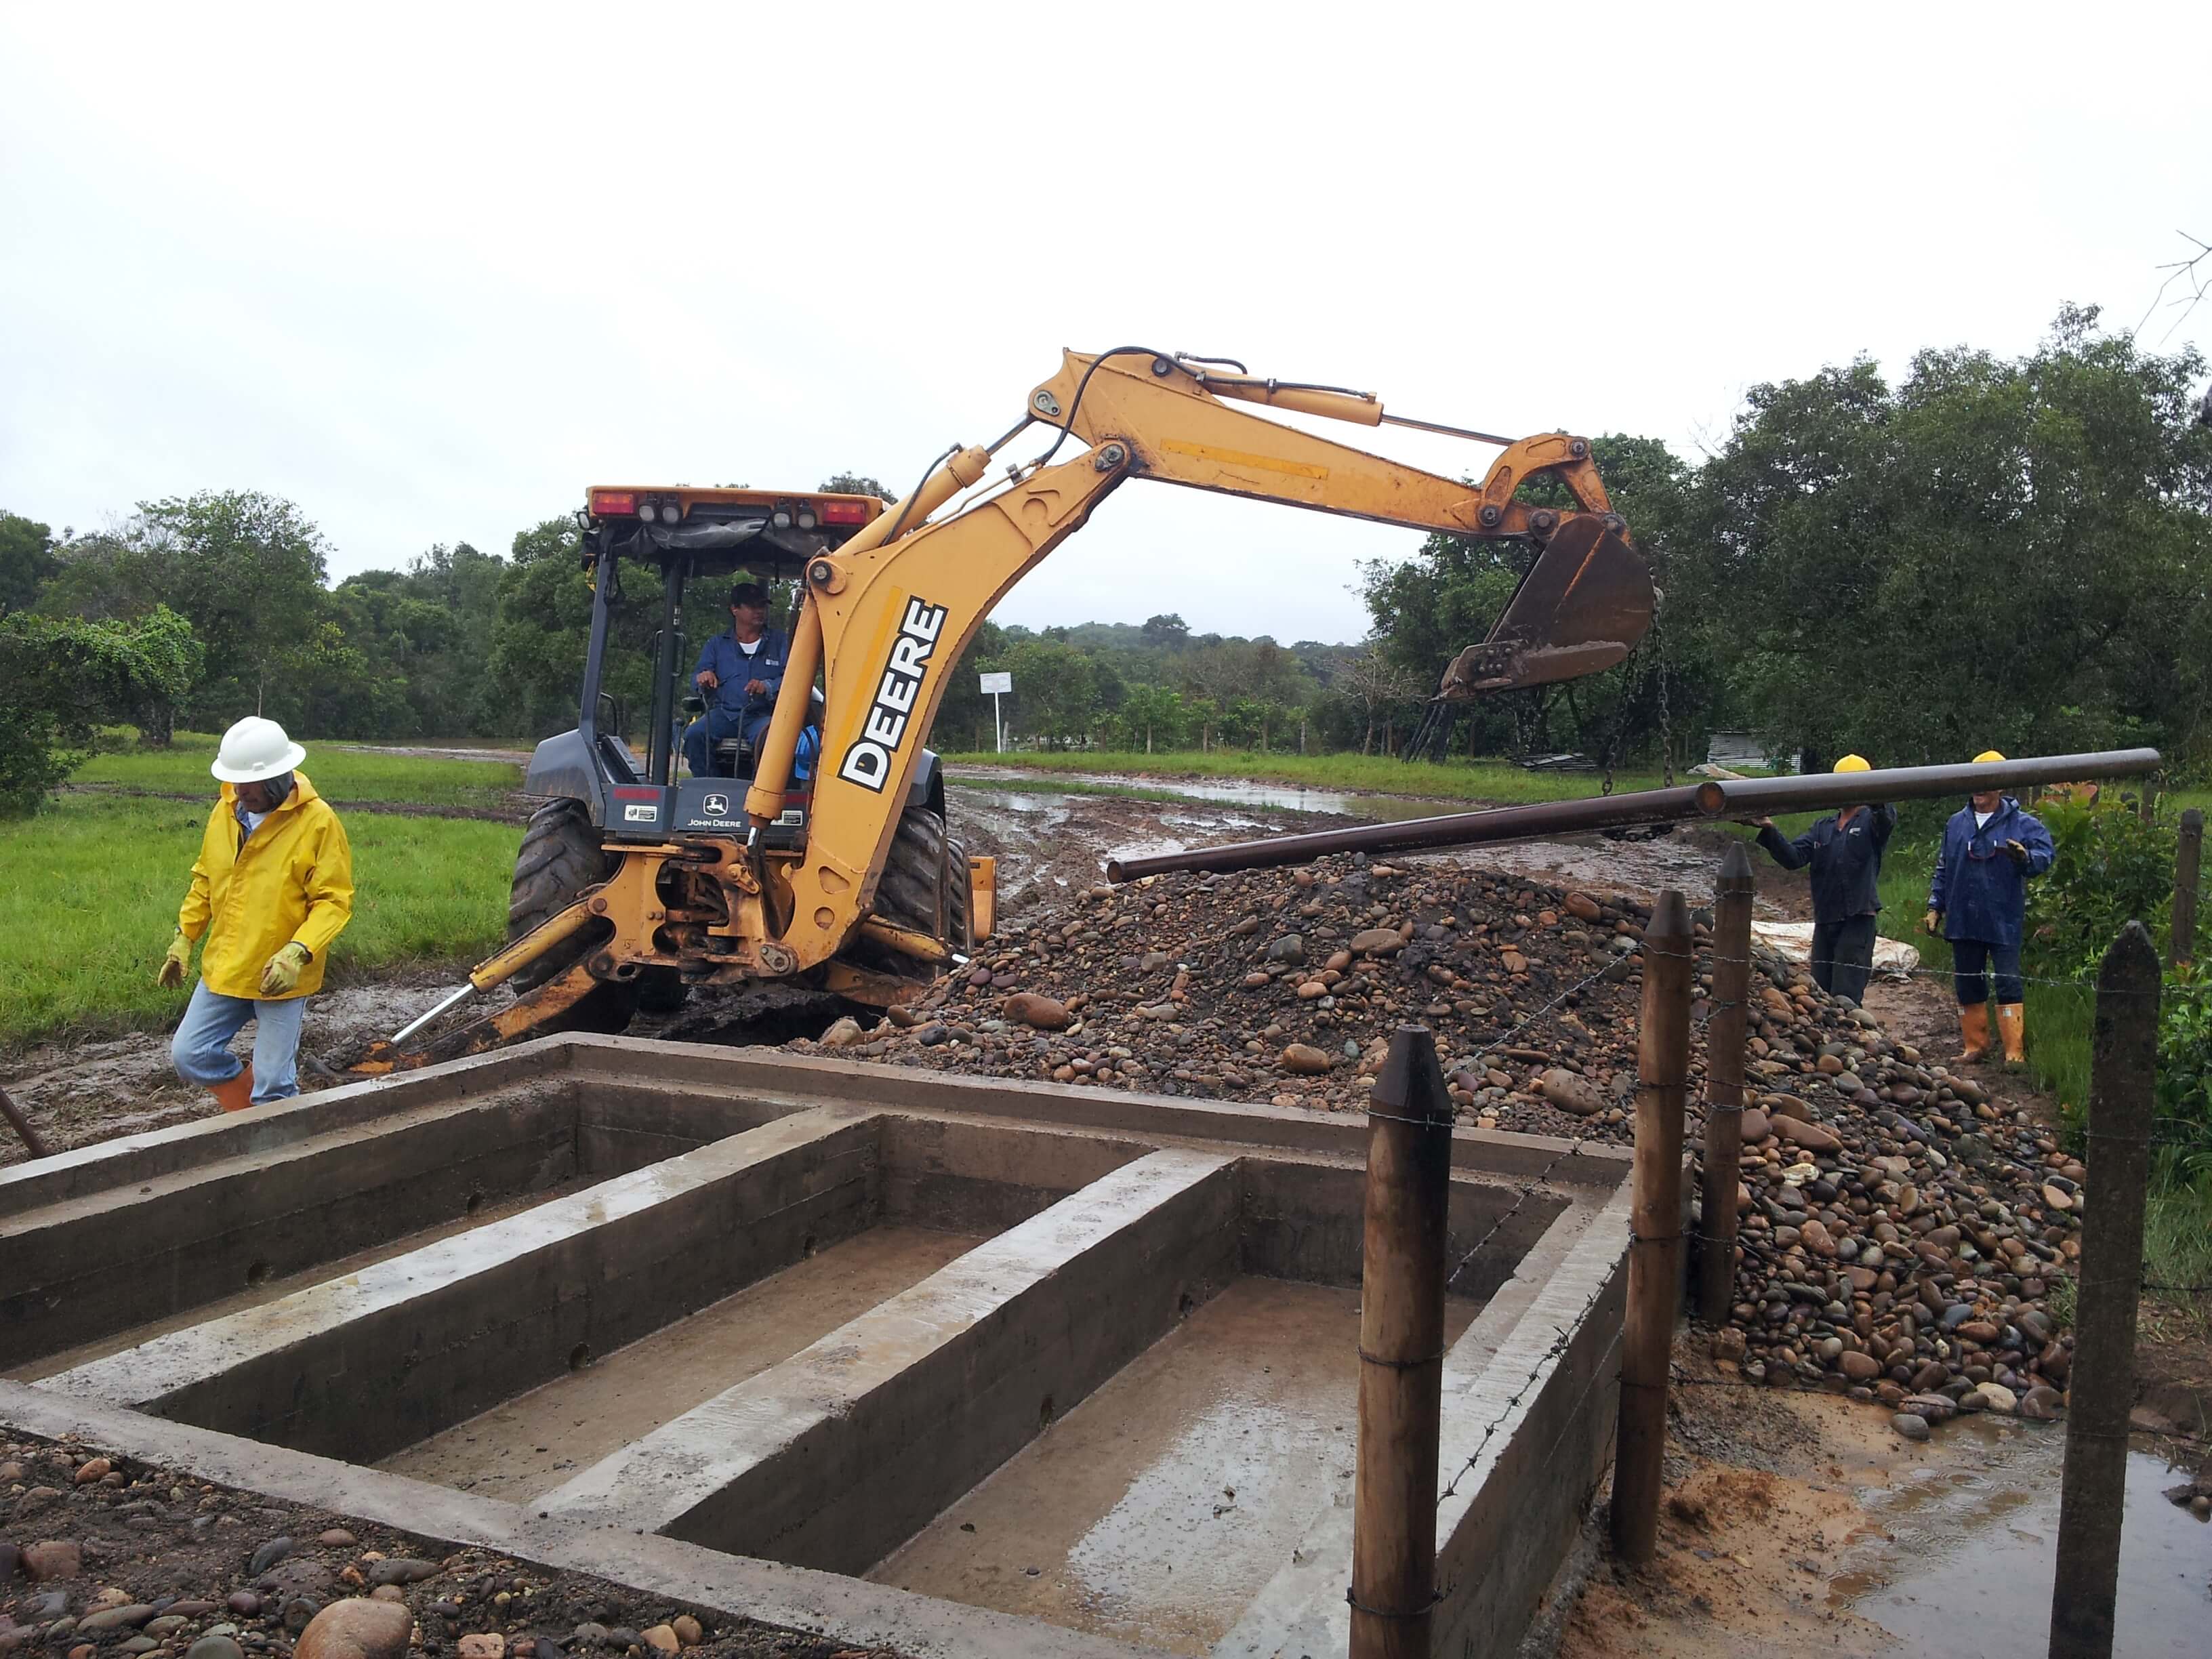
{"x":996,"y":686}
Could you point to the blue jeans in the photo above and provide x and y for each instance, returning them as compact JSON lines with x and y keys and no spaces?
{"x":201,"y":1049}
{"x":716,"y":726}
{"x":1969,"y":957}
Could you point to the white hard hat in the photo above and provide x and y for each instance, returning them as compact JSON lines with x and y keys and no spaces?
{"x":255,"y":748}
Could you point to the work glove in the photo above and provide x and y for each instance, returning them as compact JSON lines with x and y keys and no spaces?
{"x":1932,"y":922}
{"x":171,"y":974}
{"x":2015,"y":852}
{"x":283,"y":972}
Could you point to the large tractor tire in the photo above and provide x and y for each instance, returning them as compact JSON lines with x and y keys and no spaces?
{"x":921,"y":856}
{"x":559,"y":858}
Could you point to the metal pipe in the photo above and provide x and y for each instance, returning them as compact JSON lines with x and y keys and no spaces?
{"x":1732,"y":798}
{"x":1453,"y":829}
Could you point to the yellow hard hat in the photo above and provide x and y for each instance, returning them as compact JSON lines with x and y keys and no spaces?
{"x":1986,"y":757}
{"x":1853,"y":764}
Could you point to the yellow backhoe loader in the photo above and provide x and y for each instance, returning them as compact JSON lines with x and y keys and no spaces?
{"x":823,"y":860}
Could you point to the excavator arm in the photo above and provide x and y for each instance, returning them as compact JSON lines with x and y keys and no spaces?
{"x":888,"y":613}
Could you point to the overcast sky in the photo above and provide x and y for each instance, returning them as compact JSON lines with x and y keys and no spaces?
{"x":429,"y":272}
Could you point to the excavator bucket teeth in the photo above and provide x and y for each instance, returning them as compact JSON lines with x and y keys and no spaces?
{"x":1581,"y":608}
{"x":570,"y":1001}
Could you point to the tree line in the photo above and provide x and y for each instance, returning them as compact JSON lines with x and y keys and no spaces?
{"x":2006,"y":552}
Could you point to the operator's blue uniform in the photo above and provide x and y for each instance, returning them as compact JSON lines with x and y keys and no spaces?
{"x":1982,"y":895}
{"x":731,"y":711}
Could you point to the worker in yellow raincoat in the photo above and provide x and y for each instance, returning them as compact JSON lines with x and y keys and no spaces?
{"x":272,"y":888}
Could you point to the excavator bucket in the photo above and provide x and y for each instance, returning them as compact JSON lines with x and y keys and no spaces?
{"x":1581,"y":608}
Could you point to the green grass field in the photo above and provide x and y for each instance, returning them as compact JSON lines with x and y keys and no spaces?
{"x":1455,"y":780}
{"x":89,"y":887}
{"x":339,"y":773}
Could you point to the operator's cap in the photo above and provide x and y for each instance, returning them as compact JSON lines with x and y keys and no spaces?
{"x":749,"y":594}
{"x":1987,"y":756}
{"x":1853,"y":764}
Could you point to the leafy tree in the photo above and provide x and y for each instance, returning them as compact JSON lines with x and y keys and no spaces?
{"x":1154,"y":713}
{"x":27,"y":560}
{"x":60,"y":678}
{"x":1056,"y":691}
{"x":544,"y":630}
{"x":1167,"y":631}
{"x":855,"y":483}
{"x":1380,"y":686}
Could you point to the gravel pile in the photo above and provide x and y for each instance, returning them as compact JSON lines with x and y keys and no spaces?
{"x":1903,"y":1230}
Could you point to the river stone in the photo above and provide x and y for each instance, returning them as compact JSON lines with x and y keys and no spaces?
{"x":1040,"y":1011}
{"x":215,"y":1647}
{"x":1910,"y":1425}
{"x":54,"y":1558}
{"x":357,"y":1628}
{"x":1999,"y":1397}
{"x":1304,"y":1059}
{"x":1859,"y":1367}
{"x":1376,"y":942}
{"x":268,"y":1556}
{"x":1754,"y":1125}
{"x":1814,"y":1136}
{"x":1570,"y":1093}
{"x":401,"y":1570}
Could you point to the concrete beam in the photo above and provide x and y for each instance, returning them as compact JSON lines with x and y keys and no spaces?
{"x":848,"y":1612}
{"x":129,"y":1160}
{"x":88,"y":1267}
{"x":836,"y":1456}
{"x":771,"y":1074}
{"x":376,"y":1360}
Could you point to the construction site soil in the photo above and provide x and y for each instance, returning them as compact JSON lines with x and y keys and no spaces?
{"x":101,"y":1554}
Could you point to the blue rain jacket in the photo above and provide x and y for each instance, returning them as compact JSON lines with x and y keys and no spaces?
{"x":1981,"y":892}
{"x":733,"y":669}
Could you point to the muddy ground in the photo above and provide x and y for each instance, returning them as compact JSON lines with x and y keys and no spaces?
{"x":1768,"y":1491}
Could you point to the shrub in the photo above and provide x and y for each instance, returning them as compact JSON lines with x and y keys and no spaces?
{"x":2112,"y":868}
{"x":60,"y":680}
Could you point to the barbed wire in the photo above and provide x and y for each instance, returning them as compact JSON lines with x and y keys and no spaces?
{"x":1562,"y":1339}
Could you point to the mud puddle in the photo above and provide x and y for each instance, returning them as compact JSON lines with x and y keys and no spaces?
{"x":1965,"y":1557}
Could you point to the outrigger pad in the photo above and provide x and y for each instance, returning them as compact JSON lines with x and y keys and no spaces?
{"x":1581,"y":608}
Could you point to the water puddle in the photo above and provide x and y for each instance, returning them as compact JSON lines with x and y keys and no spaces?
{"x":1238,"y":792}
{"x":1968,"y":1560}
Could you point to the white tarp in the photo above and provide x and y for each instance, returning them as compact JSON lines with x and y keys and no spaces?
{"x":1795,"y":940}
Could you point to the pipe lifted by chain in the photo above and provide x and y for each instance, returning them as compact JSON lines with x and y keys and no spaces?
{"x":1714,"y":798}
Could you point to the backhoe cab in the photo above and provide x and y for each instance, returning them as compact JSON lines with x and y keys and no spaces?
{"x":826,"y":863}
{"x":630,"y":878}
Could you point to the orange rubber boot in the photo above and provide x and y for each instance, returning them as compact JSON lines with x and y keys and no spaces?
{"x":2012,"y":1027}
{"x":234,"y":1094}
{"x":1973,"y":1031}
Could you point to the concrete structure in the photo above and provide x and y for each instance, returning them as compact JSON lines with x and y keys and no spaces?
{"x":940,"y":1363}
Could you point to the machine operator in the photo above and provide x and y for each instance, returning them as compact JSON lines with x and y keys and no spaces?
{"x":739,"y":673}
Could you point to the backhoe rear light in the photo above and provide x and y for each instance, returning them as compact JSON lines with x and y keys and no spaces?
{"x":613,"y":503}
{"x":844,"y":513}
{"x":805,"y":519}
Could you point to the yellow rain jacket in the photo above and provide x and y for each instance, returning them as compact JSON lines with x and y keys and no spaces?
{"x":253,"y":895}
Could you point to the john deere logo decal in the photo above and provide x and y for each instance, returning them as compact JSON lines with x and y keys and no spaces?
{"x":716,"y":806}
{"x":868,"y":758}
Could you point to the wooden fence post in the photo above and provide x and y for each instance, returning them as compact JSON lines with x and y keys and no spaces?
{"x":1724,"y":1035}
{"x":2188,"y":855}
{"x":1401,"y":1352}
{"x":1655,"y":1251}
{"x":2124,"y":1069}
